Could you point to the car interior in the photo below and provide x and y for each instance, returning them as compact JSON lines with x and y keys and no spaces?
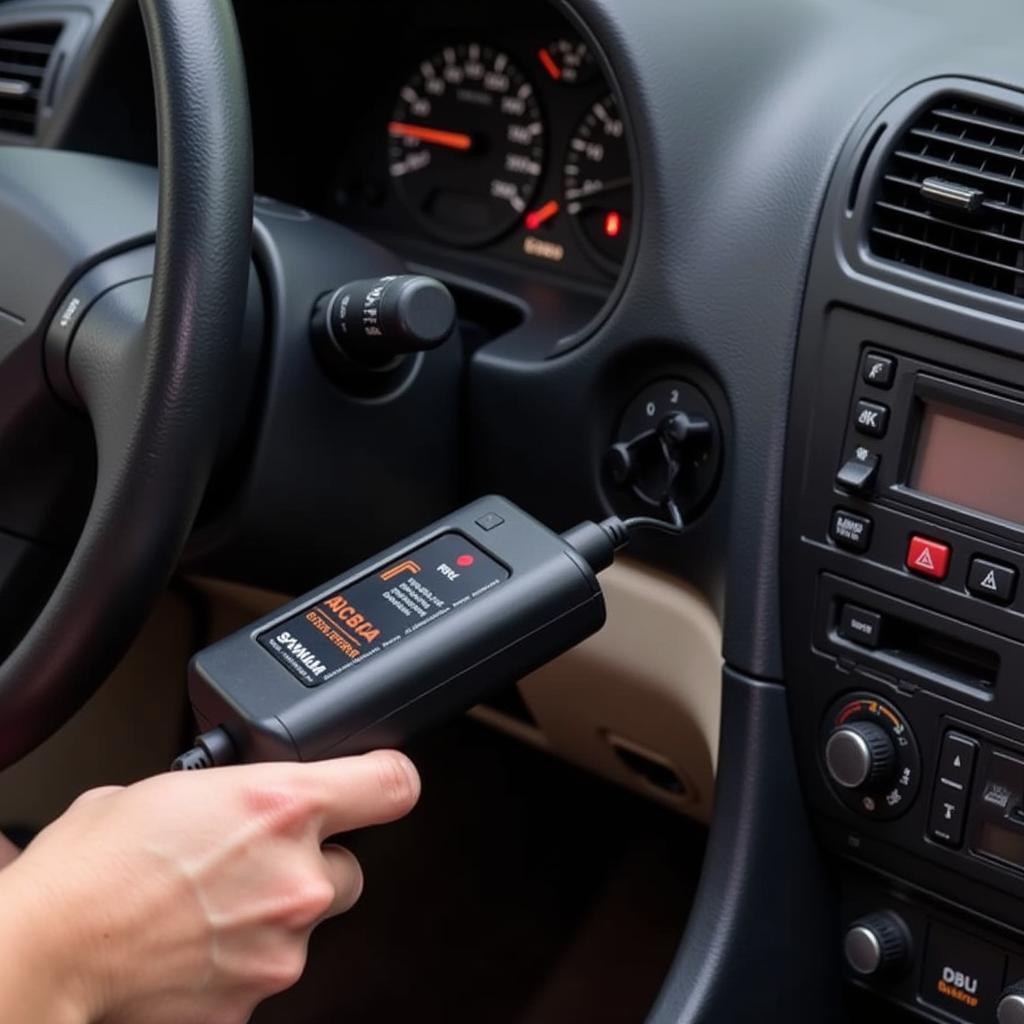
{"x":285,"y":284}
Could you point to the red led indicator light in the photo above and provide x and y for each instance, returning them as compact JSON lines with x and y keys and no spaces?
{"x":612,"y":224}
{"x":464,"y":561}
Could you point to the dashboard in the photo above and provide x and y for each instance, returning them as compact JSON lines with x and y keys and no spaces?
{"x":460,"y":138}
{"x":798,"y":222}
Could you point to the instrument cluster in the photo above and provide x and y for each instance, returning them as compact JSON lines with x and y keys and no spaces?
{"x":521,"y":148}
{"x":467,"y":134}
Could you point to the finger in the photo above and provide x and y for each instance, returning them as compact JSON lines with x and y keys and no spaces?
{"x":346,"y":876}
{"x":353,"y":792}
{"x":96,"y":794}
{"x":8,"y":851}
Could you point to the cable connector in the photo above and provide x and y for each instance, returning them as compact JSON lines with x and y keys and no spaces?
{"x":212,"y":749}
{"x":598,"y":542}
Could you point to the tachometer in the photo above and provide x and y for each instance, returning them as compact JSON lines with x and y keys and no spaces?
{"x":568,"y":61}
{"x":466,"y":144}
{"x":599,"y":184}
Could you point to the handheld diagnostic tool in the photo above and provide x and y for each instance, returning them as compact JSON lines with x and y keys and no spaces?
{"x":412,"y":636}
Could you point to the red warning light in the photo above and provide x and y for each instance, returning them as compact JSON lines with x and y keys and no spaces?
{"x":612,"y":224}
{"x":464,"y":561}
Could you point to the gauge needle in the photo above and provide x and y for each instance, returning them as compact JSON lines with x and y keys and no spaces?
{"x":586,"y":191}
{"x":535,"y":218}
{"x":433,"y":136}
{"x":549,"y":64}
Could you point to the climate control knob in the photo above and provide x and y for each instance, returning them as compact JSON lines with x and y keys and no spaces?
{"x":860,"y":755}
{"x":869,"y":756}
{"x":877,"y":944}
{"x":1010,"y":1009}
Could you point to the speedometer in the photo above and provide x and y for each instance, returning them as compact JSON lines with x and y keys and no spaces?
{"x":598,"y":182}
{"x":466,"y":144}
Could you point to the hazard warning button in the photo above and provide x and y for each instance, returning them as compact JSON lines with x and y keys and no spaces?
{"x":928,"y":557}
{"x":991,"y":580}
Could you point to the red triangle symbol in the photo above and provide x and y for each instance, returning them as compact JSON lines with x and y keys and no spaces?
{"x":924,"y":560}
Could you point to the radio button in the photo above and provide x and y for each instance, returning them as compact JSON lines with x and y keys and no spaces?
{"x":962,"y":975}
{"x":850,"y":531}
{"x":991,"y":580}
{"x":859,"y":626}
{"x":928,"y":557}
{"x":858,"y":474}
{"x":956,"y":760}
{"x":871,"y":418}
{"x":949,"y":809}
{"x":877,"y":370}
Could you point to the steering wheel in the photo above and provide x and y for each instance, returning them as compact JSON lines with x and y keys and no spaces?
{"x":152,"y":393}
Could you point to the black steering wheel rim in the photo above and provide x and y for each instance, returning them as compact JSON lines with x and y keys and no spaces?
{"x":155,"y":409}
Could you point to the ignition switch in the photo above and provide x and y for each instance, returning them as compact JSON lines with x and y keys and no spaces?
{"x":667,"y":447}
{"x":370,"y":326}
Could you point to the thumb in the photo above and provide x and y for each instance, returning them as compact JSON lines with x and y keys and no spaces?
{"x":345,"y":875}
{"x":8,"y":851}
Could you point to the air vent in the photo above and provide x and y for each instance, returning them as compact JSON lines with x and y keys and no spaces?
{"x":24,"y":57}
{"x":951,"y":199}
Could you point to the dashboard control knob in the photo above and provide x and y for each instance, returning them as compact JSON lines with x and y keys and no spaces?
{"x":1010,"y":1008}
{"x":877,"y":944}
{"x":372,"y":324}
{"x":859,"y":755}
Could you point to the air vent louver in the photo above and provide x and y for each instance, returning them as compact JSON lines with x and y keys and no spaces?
{"x":24,"y":56}
{"x":951,"y":198}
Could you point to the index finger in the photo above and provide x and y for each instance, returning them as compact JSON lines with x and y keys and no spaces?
{"x":371,"y":789}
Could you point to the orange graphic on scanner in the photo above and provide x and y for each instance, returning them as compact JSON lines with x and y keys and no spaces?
{"x":408,"y":566}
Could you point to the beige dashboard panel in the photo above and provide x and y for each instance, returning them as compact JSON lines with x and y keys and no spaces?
{"x":132,"y":727}
{"x":649,"y":683}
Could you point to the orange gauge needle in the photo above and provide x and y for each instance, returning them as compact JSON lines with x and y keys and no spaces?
{"x":434,"y":136}
{"x":549,"y":64}
{"x":535,"y":218}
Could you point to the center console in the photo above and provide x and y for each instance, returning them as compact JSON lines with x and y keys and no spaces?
{"x":904,"y":608}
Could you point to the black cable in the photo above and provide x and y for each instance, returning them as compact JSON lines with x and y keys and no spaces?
{"x":675,"y":526}
{"x":212,"y":749}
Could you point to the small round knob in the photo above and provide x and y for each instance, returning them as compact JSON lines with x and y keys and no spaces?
{"x":877,"y":944}
{"x":1010,"y":1009}
{"x":620,"y":463}
{"x":372,"y":324}
{"x":685,"y":431}
{"x":859,"y":755}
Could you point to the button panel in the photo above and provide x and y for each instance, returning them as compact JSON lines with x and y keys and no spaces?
{"x":871,"y":418}
{"x":962,"y":975}
{"x":948,"y":814}
{"x":956,"y":760}
{"x":992,"y":581}
{"x":860,"y":626}
{"x":850,"y":530}
{"x":928,"y":557}
{"x":878,"y":370}
{"x":858,"y":474}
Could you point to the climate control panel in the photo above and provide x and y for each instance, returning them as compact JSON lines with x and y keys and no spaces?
{"x":871,"y":756}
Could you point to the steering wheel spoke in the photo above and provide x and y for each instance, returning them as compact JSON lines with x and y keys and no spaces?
{"x":149,"y":359}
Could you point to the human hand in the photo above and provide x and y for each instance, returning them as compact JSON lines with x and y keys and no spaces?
{"x":8,"y":851}
{"x":191,"y":896}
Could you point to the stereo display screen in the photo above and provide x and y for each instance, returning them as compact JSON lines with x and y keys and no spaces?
{"x":970,"y":460}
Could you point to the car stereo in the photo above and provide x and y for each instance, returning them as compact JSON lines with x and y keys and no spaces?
{"x":904,"y":631}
